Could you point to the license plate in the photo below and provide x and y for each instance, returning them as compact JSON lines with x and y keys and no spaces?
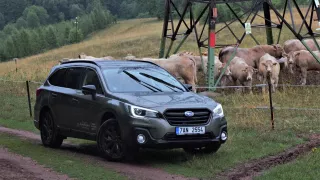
{"x":190,"y":130}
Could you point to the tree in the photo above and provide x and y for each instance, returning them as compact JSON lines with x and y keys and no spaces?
{"x":42,"y":40}
{"x":9,"y":29}
{"x":2,"y":36}
{"x":66,"y":34}
{"x":21,"y":23}
{"x":12,"y":9}
{"x":9,"y":49}
{"x":51,"y":37}
{"x":86,"y":25}
{"x":17,"y":45}
{"x":25,"y":43}
{"x":40,"y":12}
{"x":75,"y":35}
{"x":2,"y":21}
{"x":75,"y":11}
{"x":61,"y":16}
{"x":33,"y":20}
{"x":35,"y":45}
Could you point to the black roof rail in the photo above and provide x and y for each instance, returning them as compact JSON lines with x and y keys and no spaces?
{"x":71,"y":61}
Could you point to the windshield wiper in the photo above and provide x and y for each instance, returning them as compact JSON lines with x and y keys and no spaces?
{"x":162,"y":81}
{"x":147,"y":85}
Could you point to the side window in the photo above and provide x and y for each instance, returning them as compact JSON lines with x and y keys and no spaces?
{"x":74,"y":78}
{"x":58,"y":78}
{"x":91,"y":78}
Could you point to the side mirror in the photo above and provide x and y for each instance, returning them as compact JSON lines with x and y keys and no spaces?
{"x":188,"y":86}
{"x":90,"y":89}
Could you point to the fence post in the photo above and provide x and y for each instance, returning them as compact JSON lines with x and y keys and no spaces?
{"x":29,"y":101}
{"x":15,"y":60}
{"x":270,"y":99}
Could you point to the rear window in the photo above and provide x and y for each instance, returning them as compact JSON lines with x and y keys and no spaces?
{"x":74,"y":78}
{"x":58,"y":78}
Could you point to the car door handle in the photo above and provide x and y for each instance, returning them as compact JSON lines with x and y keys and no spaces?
{"x":75,"y":101}
{"x":54,"y":95}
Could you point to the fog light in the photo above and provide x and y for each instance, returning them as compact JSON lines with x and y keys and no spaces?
{"x":224,"y":136}
{"x":141,"y":139}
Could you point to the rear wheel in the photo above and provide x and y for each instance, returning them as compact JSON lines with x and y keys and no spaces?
{"x":212,"y":148}
{"x":110,"y":142}
{"x":48,"y":132}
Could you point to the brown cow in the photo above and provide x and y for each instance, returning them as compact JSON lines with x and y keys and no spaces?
{"x":218,"y":66}
{"x":251,"y":55}
{"x":84,"y":56}
{"x":183,"y":67}
{"x":294,"y":45}
{"x":242,"y":72}
{"x":305,"y":62}
{"x":269,"y":64}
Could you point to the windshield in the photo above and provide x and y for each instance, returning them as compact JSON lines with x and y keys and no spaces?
{"x":141,"y":79}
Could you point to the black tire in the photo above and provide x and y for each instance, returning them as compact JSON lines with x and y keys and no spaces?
{"x":212,"y":148}
{"x":110,"y":143}
{"x":48,"y":132}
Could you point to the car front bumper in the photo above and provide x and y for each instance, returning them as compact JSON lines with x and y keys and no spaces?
{"x":171,"y":140}
{"x":160,"y":134}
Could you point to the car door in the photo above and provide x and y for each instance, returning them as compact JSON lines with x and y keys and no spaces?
{"x":92,"y":109}
{"x":71,"y":106}
{"x":56,"y":92}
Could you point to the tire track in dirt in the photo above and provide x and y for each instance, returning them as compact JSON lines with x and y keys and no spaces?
{"x":253,"y":168}
{"x":14,"y":166}
{"x":90,"y":153}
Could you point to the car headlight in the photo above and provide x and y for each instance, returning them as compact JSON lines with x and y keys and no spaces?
{"x":218,"y":110}
{"x":140,"y":112}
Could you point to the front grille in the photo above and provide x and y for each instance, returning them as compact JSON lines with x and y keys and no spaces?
{"x":177,"y":117}
{"x":174,"y":137}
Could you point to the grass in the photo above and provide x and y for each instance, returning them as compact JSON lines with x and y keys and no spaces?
{"x":21,"y":125}
{"x":72,"y":166}
{"x":243,"y":145}
{"x":306,"y":167}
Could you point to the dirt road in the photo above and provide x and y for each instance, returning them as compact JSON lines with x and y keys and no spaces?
{"x":90,"y":153}
{"x":13,"y":166}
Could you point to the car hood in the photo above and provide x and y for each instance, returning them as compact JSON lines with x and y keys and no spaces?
{"x":162,"y":101}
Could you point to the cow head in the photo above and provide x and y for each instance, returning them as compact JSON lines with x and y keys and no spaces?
{"x":269,"y":64}
{"x":249,"y":71}
{"x":278,"y":50}
{"x":293,"y":57}
{"x":82,"y":56}
{"x":205,"y":53}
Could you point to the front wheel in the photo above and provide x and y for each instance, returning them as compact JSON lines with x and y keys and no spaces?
{"x":212,"y":148}
{"x":110,"y":142}
{"x":49,"y":135}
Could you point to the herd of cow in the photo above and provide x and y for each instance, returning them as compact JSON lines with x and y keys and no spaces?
{"x":262,"y":60}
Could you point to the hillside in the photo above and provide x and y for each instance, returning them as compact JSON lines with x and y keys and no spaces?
{"x":140,"y":37}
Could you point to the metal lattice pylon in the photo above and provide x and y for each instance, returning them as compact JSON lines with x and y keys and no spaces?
{"x":187,"y":18}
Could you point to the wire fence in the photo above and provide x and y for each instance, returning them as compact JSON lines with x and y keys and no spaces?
{"x":294,"y":107}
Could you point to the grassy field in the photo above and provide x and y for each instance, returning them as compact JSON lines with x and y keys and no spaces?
{"x":72,"y":166}
{"x":250,"y":134}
